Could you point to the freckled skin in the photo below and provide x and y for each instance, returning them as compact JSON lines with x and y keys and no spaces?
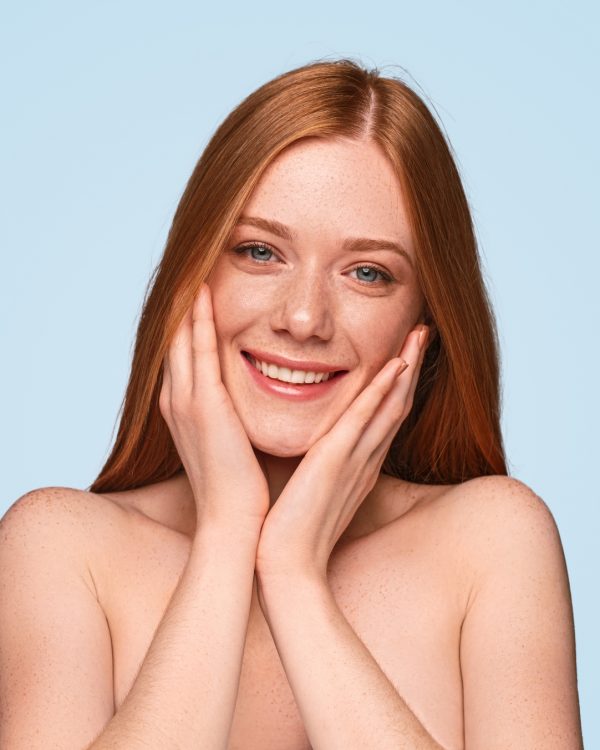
{"x":307,"y":300}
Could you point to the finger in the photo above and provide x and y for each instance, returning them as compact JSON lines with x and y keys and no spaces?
{"x":179,"y":358}
{"x":349,"y":428}
{"x":206,"y":366}
{"x":406,"y":384}
{"x":394,"y":409}
{"x":415,"y":379}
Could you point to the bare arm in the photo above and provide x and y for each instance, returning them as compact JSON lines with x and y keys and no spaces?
{"x":56,"y":686}
{"x":56,"y":680}
{"x":343,"y":695}
{"x":517,"y":651}
{"x":185,"y":693}
{"x":517,"y":648}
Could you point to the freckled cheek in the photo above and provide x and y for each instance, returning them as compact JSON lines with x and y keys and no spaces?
{"x":377,"y":338}
{"x":237,"y":307}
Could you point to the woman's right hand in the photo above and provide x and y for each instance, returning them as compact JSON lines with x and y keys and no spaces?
{"x":229,"y":486}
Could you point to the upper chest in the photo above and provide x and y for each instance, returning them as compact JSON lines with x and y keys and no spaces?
{"x":401,"y":589}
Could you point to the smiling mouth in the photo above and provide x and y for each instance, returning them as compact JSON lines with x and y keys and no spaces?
{"x":290,"y":376}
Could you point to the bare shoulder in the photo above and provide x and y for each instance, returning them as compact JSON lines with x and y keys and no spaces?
{"x":55,"y":639}
{"x":501,"y":528}
{"x":63,"y":508}
{"x":492,"y":512}
{"x":497,"y":493}
{"x":68,"y":500}
{"x":475,"y":528}
{"x":517,"y":640}
{"x":75,"y":522}
{"x":488,"y":504}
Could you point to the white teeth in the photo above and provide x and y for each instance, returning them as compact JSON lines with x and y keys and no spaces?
{"x":289,"y":376}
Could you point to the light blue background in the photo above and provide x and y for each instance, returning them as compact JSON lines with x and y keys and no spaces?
{"x":108,"y":105}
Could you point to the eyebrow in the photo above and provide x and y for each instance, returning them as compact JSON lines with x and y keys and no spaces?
{"x":363,"y":244}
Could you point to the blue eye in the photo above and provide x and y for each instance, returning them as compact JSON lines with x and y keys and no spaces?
{"x":263,"y":251}
{"x":386,"y":278}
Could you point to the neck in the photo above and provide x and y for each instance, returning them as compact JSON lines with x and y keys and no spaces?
{"x":277,"y":472}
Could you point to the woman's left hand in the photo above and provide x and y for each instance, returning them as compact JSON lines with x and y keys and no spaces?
{"x":336,"y":474}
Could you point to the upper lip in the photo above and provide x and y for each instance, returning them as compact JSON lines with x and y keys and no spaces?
{"x":308,"y":365}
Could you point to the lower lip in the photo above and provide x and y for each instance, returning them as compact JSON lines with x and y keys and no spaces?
{"x":292,"y":391}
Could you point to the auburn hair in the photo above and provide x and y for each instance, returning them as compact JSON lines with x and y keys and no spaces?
{"x":452,"y":432}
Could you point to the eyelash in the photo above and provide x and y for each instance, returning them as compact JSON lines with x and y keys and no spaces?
{"x":385,"y":277}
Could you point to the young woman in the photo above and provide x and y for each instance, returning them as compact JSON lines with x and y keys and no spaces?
{"x":304,"y":535}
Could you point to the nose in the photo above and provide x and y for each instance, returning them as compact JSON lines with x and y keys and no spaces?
{"x":305,"y":307}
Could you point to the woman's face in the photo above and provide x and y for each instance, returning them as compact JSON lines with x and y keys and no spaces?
{"x":298,"y":290}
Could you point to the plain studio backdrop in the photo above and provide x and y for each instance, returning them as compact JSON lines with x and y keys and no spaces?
{"x":108,"y":105}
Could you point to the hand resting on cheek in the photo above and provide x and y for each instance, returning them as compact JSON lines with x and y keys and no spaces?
{"x":333,"y":478}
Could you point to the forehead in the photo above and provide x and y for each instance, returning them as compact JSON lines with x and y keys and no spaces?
{"x":333,"y":188}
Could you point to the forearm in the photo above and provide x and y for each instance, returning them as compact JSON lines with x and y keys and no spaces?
{"x":343,"y":696}
{"x":185,"y":693}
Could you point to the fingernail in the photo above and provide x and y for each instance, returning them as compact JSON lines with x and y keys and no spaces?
{"x":423,"y":336}
{"x":402,"y":365}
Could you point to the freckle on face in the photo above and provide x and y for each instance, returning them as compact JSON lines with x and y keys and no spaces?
{"x":306,"y":303}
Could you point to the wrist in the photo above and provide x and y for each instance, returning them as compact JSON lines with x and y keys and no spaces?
{"x":229,"y":537}
{"x":282,"y":577}
{"x":283,"y":591}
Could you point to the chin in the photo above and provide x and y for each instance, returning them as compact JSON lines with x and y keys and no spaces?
{"x":278,"y":452}
{"x":287,"y":449}
{"x":286,"y":445}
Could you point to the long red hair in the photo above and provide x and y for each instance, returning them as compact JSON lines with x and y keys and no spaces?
{"x":453,"y":432}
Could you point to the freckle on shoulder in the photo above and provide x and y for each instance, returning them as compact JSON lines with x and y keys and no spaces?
{"x":499,"y":492}
{"x":55,"y":505}
{"x":497,"y":513}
